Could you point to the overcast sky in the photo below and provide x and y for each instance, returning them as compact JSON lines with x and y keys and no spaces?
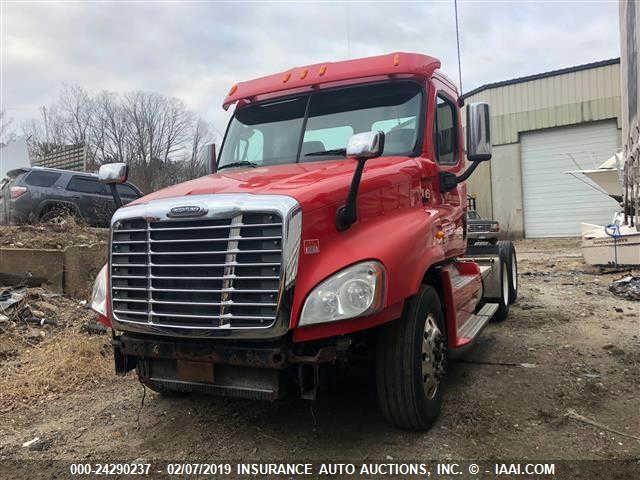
{"x":196,"y":51}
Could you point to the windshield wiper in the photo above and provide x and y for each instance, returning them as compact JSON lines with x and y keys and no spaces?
{"x":239,"y":164}
{"x":335,"y":151}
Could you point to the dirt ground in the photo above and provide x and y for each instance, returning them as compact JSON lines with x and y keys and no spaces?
{"x":579,"y":345}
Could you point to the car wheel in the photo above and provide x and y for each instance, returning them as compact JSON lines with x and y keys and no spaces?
{"x":411,"y":357}
{"x":56,"y":214}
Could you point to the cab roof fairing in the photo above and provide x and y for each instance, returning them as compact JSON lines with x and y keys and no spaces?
{"x":330,"y":72}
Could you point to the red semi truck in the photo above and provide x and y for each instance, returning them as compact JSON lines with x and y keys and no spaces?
{"x":331,"y":230}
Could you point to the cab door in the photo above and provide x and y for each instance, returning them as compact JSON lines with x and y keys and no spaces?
{"x":449,"y":157}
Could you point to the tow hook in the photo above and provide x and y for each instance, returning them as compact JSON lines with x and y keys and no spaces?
{"x":310,"y":374}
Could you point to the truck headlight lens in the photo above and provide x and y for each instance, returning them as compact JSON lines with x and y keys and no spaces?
{"x":99,"y":293}
{"x":356,"y":291}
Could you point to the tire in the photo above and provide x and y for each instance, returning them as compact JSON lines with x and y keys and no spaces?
{"x":55,"y":212}
{"x":507,"y":252}
{"x":503,"y":301}
{"x":513,"y":275}
{"x":411,"y":357}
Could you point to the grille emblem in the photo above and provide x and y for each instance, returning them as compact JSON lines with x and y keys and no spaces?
{"x":187,"y":211}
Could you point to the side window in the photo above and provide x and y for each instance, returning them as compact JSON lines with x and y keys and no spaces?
{"x":87,"y":185}
{"x":445,"y":132}
{"x":41,"y":179}
{"x":126,"y":191}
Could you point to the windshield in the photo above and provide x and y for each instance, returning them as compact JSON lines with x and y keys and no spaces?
{"x":271,"y":133}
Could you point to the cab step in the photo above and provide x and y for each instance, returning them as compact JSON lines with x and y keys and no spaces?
{"x":475,"y":323}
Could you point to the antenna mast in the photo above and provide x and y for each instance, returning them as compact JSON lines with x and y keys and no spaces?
{"x":455,"y":6}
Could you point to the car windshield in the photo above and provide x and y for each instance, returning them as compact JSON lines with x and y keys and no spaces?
{"x":317,"y":126}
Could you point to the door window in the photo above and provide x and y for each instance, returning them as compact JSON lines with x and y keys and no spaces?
{"x":87,"y":185}
{"x":41,"y":178}
{"x":126,"y":191}
{"x":445,"y":132}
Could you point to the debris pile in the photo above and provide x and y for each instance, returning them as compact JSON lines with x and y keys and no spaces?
{"x":49,"y":344}
{"x":627,"y":287}
{"x":57,"y":234}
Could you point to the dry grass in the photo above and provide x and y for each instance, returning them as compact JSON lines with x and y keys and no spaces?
{"x":68,"y":362}
{"x":40,"y":362}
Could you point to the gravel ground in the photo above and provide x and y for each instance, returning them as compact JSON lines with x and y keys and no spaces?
{"x":579,"y":344}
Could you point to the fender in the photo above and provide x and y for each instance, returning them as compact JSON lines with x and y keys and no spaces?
{"x":407,"y":250}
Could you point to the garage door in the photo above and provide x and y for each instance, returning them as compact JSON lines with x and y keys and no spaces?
{"x":555,"y":202}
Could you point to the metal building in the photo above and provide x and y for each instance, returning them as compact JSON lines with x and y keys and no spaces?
{"x":541,"y":127}
{"x":629,"y":83}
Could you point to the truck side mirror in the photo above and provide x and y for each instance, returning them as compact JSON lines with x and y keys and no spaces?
{"x":113,"y":173}
{"x":478,"y":132}
{"x":362,"y":146}
{"x":365,"y":145}
{"x":212,"y":160}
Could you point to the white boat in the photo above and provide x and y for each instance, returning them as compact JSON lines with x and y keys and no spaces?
{"x":607,"y":176}
{"x":601,"y":248}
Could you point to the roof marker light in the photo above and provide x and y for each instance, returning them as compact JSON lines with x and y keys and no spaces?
{"x":303,"y":73}
{"x":396,"y":60}
{"x":233,"y":89}
{"x":286,"y":77}
{"x":322,"y":70}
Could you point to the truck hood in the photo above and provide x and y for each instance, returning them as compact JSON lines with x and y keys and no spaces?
{"x":313,"y":184}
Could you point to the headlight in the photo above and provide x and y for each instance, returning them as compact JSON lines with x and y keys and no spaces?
{"x":356,"y":291}
{"x":99,"y":293}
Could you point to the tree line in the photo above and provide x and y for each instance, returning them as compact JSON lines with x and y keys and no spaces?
{"x":161,"y":140}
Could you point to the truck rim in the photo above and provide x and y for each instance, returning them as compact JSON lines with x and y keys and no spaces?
{"x":514,"y":273}
{"x":431,"y":356}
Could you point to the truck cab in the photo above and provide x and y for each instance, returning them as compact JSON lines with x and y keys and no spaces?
{"x":332,"y":225}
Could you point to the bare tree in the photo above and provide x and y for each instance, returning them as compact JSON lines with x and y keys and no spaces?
{"x":201,"y":138}
{"x":161,"y":140}
{"x":75,"y":110}
{"x":45,"y":134}
{"x":7,"y":135}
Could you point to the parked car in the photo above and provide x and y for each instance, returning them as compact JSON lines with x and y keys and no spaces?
{"x":481,"y":229}
{"x":39,"y":194}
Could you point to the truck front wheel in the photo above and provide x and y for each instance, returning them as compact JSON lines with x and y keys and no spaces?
{"x":411,"y":356}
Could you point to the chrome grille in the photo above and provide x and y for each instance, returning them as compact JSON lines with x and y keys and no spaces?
{"x":197,"y":273}
{"x":478,"y":227}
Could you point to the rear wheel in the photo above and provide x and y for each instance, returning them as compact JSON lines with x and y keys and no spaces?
{"x":411,"y":358}
{"x":57,"y":214}
{"x":507,"y":253}
{"x":513,"y":275}
{"x":503,"y":302}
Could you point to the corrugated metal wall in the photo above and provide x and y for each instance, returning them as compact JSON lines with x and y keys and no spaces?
{"x":566,"y":99}
{"x":563,"y":99}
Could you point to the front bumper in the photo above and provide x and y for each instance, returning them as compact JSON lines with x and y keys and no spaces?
{"x":265,"y":371}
